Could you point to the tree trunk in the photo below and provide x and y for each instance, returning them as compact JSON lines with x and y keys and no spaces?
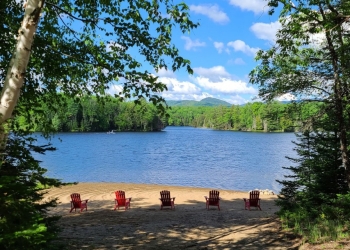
{"x":339,"y":91}
{"x":15,"y":74}
{"x":265,"y":125}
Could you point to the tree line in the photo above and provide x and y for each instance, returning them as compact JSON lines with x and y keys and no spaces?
{"x":256,"y":116}
{"x":90,"y":114}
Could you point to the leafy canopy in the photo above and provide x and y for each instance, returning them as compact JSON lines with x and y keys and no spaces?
{"x":87,"y":47}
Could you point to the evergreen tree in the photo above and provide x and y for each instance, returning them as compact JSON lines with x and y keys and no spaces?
{"x":318,"y":175}
{"x":24,"y":222}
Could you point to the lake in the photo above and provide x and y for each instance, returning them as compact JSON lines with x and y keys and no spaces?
{"x":180,"y":156}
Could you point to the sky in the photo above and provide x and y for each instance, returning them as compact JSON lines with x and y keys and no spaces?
{"x":221,"y":50}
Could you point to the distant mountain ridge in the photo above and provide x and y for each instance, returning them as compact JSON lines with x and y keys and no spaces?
{"x":206,"y":102}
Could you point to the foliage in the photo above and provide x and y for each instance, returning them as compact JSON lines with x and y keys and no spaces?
{"x":310,"y":60}
{"x":314,"y":194}
{"x":80,"y":47}
{"x":89,"y":48}
{"x":90,"y":115}
{"x":257,"y":116}
{"x":24,"y":222}
{"x":317,"y":230}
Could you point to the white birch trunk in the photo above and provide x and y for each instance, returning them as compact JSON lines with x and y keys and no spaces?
{"x":15,"y":75}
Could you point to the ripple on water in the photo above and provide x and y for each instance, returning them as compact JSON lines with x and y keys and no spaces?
{"x":180,"y":156}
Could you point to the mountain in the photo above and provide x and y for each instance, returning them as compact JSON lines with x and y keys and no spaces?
{"x":206,"y":102}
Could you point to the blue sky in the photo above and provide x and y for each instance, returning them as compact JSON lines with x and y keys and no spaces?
{"x":221,"y":50}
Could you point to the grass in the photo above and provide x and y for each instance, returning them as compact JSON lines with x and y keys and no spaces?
{"x":317,"y":231}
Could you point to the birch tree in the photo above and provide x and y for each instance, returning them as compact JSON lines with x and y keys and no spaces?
{"x":87,"y":47}
{"x":53,"y":49}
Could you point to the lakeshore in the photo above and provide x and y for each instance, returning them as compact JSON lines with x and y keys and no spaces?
{"x":189,"y":226}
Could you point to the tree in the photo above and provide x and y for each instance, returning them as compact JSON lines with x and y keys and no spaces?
{"x":318,"y":175}
{"x":84,"y":47}
{"x":315,"y":190}
{"x":80,"y":47}
{"x":309,"y":68}
{"x":24,"y":222}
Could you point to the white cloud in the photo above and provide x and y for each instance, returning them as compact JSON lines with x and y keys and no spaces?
{"x":318,"y":39}
{"x":178,"y":87}
{"x":266,"y":31}
{"x":239,"y":45}
{"x":235,"y":99}
{"x":192,"y":44}
{"x":219,"y":46}
{"x":209,"y":82}
{"x":286,"y":97}
{"x":114,"y":89}
{"x":257,"y":6}
{"x":176,"y":97}
{"x":165,"y":73}
{"x":225,"y":85}
{"x":223,"y":89}
{"x":185,"y":90}
{"x":212,"y":73}
{"x":211,"y":11}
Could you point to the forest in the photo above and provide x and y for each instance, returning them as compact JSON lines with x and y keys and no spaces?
{"x":92,"y":115}
{"x":257,"y":116}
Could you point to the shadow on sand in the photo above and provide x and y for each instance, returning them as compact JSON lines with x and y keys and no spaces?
{"x":189,"y":226}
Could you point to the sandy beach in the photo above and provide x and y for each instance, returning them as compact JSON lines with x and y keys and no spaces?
{"x":189,"y":226}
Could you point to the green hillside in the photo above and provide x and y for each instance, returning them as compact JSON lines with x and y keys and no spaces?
{"x":206,"y":102}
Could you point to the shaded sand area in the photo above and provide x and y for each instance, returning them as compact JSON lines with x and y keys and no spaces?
{"x":189,"y":226}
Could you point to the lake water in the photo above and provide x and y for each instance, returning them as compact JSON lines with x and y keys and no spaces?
{"x":181,"y":156}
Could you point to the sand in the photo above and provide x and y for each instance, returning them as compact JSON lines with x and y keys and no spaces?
{"x":189,"y":226}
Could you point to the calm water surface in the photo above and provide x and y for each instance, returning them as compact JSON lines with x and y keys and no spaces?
{"x":181,"y":156}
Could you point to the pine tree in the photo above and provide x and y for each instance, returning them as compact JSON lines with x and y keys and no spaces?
{"x":318,"y":174}
{"x":24,"y":222}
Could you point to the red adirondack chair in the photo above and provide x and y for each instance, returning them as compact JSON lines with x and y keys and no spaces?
{"x":121,"y":201}
{"x":166,"y":200}
{"x":253,"y":201}
{"x":76,"y":202}
{"x":213,"y":200}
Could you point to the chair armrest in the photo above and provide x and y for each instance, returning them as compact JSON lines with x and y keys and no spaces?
{"x":206,"y":197}
{"x":129,"y":198}
{"x":173,"y":198}
{"x":245,"y":199}
{"x":86,"y":200}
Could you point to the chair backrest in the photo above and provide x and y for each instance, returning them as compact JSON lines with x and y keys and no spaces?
{"x":254,"y":197}
{"x":76,"y":199}
{"x":120,"y":196}
{"x":214,"y":197}
{"x":165,"y":197}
